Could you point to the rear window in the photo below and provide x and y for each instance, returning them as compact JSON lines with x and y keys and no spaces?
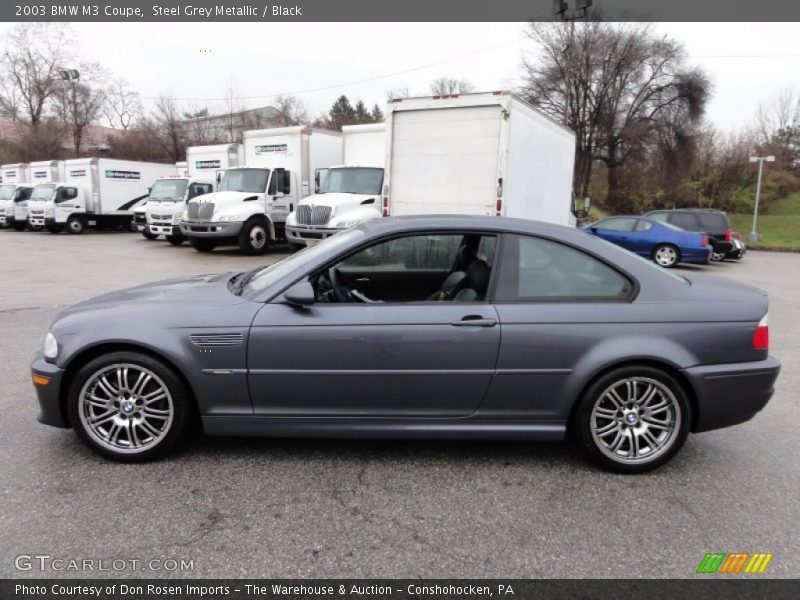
{"x":713,"y":221}
{"x":684,"y":221}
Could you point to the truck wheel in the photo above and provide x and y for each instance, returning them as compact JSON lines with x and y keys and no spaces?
{"x":75,"y":225}
{"x":202,"y":244}
{"x":175,"y":240}
{"x":149,"y":236}
{"x":54,"y":228}
{"x":293,"y":247}
{"x":254,"y":237}
{"x":18,"y":226}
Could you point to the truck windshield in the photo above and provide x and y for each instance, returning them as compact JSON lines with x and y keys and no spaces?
{"x":168,"y":190}
{"x":252,"y":181}
{"x":7,"y":192}
{"x":43,"y":192}
{"x":352,"y":181}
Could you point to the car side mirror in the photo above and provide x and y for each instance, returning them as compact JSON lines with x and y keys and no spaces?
{"x":300,"y":294}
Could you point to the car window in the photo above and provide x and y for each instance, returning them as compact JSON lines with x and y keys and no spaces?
{"x":643,"y":225}
{"x":659,"y":216}
{"x":713,"y":221}
{"x":536,"y":269}
{"x":620,"y":224}
{"x":411,"y":252}
{"x":684,"y":221}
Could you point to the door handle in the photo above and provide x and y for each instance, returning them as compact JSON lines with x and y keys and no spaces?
{"x":362,"y":280}
{"x":474,"y":321}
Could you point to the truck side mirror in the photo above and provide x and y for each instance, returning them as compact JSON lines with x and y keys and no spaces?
{"x":300,"y":294}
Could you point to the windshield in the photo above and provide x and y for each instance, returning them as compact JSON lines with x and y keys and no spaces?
{"x":22,"y":194}
{"x":7,"y":192}
{"x":170,"y":190}
{"x":244,"y":180}
{"x":352,"y":181}
{"x":270,"y":275}
{"x":43,"y":192}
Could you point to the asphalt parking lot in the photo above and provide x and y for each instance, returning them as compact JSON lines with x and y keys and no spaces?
{"x":288,"y":508}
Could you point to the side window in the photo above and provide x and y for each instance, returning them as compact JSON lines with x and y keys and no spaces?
{"x":616,"y":224}
{"x":198,"y":189}
{"x":280,"y":183}
{"x":643,"y":225}
{"x":286,"y":188}
{"x":536,"y":269}
{"x":659,"y":216}
{"x":273,"y":185}
{"x":684,"y":221}
{"x":412,"y":252}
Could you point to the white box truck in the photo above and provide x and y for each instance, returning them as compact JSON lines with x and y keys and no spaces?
{"x":252,"y":202}
{"x":346,"y":194}
{"x":96,"y":192}
{"x":43,"y":171}
{"x":482,"y":154}
{"x":15,"y":194}
{"x":169,"y":195}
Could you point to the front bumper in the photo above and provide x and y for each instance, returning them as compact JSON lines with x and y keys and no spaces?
{"x":49,"y":396}
{"x":303,"y":234}
{"x":164,"y":229}
{"x":39,"y":221}
{"x":7,"y":220}
{"x":208,"y":229}
{"x":729,"y":394}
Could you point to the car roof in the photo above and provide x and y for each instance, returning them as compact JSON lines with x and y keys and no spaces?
{"x":691,"y":210}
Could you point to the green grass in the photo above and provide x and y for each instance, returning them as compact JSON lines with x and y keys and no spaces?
{"x":776,"y":231}
{"x":786,"y":206}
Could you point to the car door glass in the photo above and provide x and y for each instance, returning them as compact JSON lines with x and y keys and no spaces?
{"x":417,"y":268}
{"x":643,"y":225}
{"x":660,"y":216}
{"x":537,"y":269}
{"x":616,"y":224}
{"x":685,"y":221}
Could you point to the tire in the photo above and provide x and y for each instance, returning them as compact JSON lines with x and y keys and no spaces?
{"x":76,"y":225}
{"x":254,"y":237}
{"x":614,"y":440}
{"x":18,"y":226}
{"x":54,"y":228}
{"x":717,"y":256}
{"x":117,"y":423}
{"x":293,"y":247}
{"x":666,"y":255}
{"x":202,"y":244}
{"x":176,"y":240}
{"x":149,"y":236}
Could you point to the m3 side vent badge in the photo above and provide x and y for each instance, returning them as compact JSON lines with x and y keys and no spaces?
{"x":216,"y":340}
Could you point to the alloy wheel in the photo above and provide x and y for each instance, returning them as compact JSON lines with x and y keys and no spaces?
{"x":126,"y":408}
{"x":666,"y":256}
{"x":635,"y":420}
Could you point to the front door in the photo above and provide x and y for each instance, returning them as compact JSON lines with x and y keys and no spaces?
{"x":375,"y":344}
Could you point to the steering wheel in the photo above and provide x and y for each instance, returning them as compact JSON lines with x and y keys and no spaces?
{"x":339,"y":288}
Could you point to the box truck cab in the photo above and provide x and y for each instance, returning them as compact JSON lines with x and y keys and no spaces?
{"x":345,"y":195}
{"x":41,"y":172}
{"x":252,"y":202}
{"x":197,"y":176}
{"x":14,"y":174}
{"x":96,"y":192}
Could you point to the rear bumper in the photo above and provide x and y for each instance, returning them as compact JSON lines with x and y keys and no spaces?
{"x":49,"y":395}
{"x":696,"y":255}
{"x":732,"y":393}
{"x":207,"y":229}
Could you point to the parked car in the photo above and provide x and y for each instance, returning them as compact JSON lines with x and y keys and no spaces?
{"x":739,"y":248}
{"x":663,"y":243}
{"x":711,"y":221}
{"x":450,"y":327}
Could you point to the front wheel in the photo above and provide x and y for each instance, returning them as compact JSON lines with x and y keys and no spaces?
{"x":76,"y":225}
{"x":254,"y":237}
{"x":18,"y":226}
{"x":666,"y":255}
{"x":54,"y":228}
{"x":175,"y":240}
{"x":128,"y":406}
{"x":202,"y":244}
{"x":633,"y":419}
{"x":149,"y":236}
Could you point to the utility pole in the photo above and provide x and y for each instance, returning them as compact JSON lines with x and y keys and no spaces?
{"x":760,"y":160}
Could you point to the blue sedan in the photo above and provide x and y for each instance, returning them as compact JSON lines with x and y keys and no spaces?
{"x":663,"y":243}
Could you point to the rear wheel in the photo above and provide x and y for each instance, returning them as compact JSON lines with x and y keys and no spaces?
{"x":76,"y":225}
{"x":633,"y":419}
{"x":666,"y":255}
{"x":175,"y":240}
{"x":254,"y":237}
{"x":717,"y":256}
{"x":128,"y":406}
{"x":202,"y":244}
{"x":54,"y":228}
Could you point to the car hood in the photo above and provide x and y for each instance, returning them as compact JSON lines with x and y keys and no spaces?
{"x":338,"y":200}
{"x":222,"y":200}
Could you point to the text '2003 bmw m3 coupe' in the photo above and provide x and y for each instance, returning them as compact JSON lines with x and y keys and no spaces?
{"x":435,"y":327}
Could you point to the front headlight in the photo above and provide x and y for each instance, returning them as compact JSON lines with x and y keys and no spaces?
{"x":230,"y":218}
{"x":50,"y":346}
{"x":50,"y":212}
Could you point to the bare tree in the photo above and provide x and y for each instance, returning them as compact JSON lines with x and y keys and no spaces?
{"x":621,"y":88}
{"x":398,"y":92}
{"x":34,"y":54}
{"x":79,"y":102}
{"x":291,"y":110}
{"x":169,"y":127}
{"x":778,"y":126}
{"x":450,"y":86}
{"x":122,"y":105}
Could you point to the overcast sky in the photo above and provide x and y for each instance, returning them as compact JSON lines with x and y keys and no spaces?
{"x":268,"y":58}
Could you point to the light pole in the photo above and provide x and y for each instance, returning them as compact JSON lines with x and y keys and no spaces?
{"x":760,"y":160}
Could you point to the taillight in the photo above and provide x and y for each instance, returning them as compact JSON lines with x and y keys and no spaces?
{"x":703,"y":240}
{"x":498,"y":207}
{"x":385,"y":206}
{"x":761,"y":335}
{"x":728,"y":234}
